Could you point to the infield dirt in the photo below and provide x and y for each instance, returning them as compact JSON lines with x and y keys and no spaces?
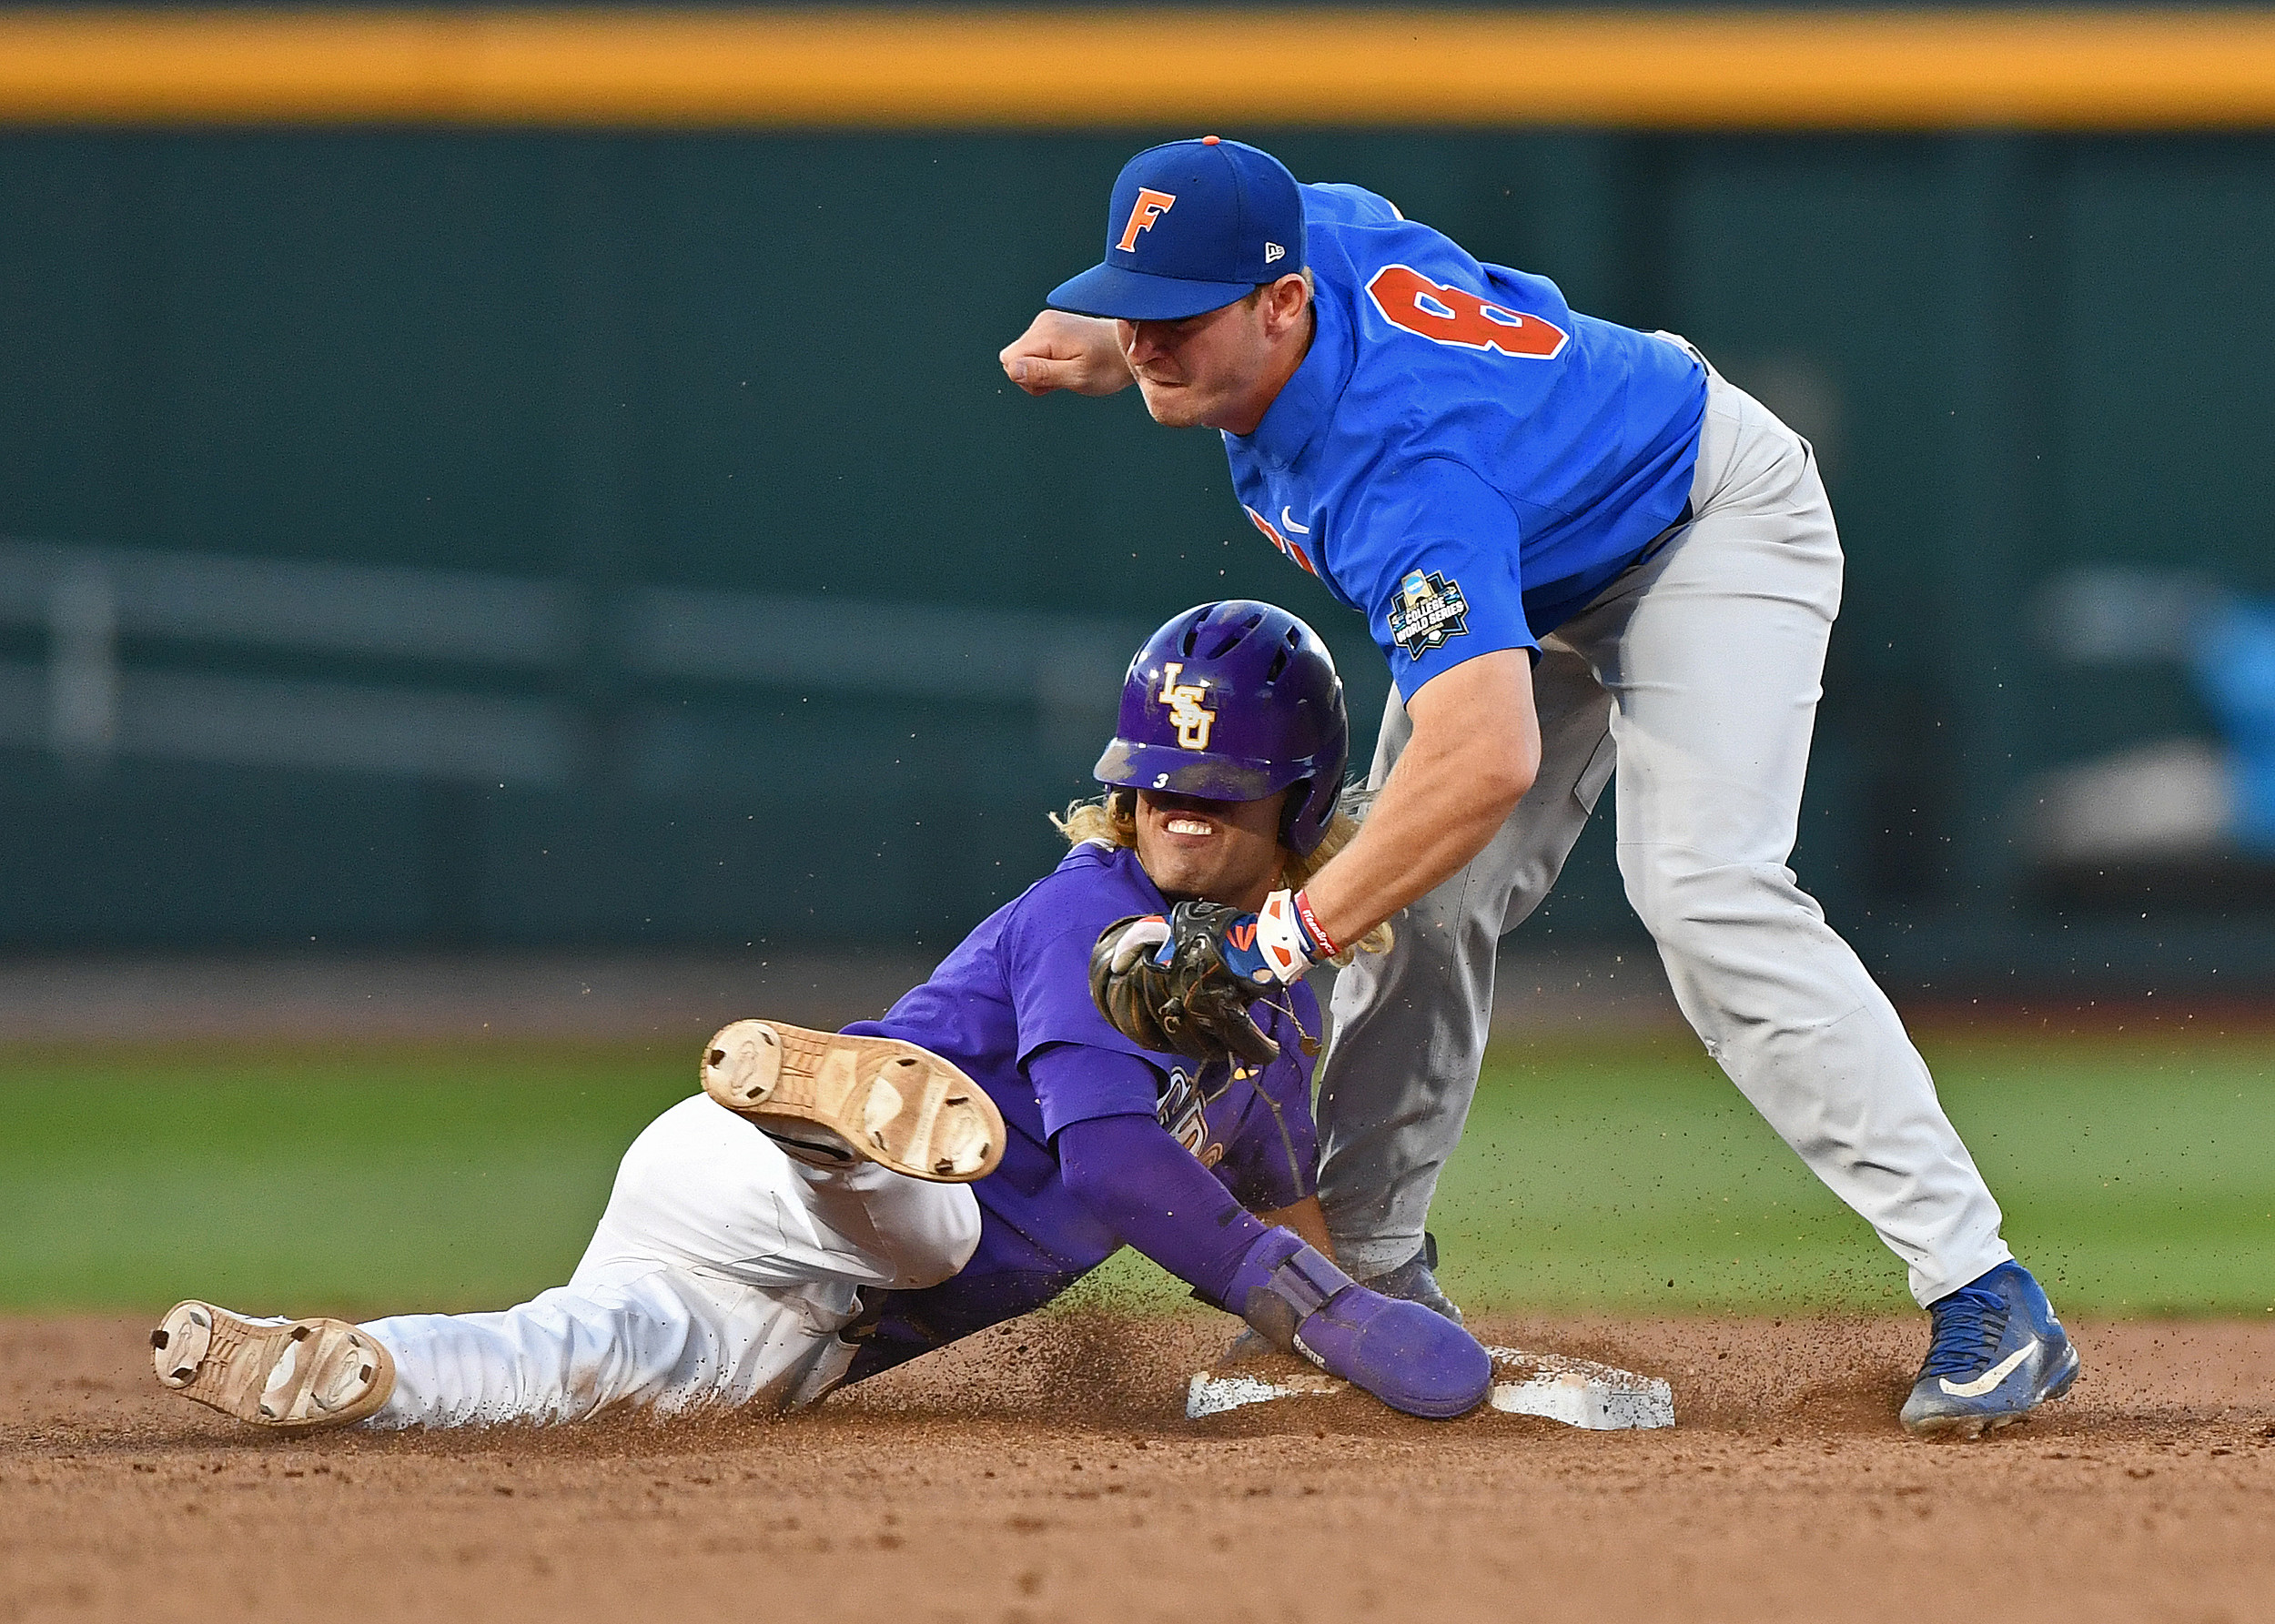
{"x":1044,"y":1471}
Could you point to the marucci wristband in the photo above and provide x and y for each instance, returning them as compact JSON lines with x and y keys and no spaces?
{"x":1291,"y":942}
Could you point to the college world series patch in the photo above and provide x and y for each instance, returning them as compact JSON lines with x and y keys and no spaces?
{"x":1431,"y":610}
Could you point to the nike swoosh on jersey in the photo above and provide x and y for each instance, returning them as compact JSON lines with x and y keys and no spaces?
{"x":1990,"y":1379}
{"x":1287,"y":519}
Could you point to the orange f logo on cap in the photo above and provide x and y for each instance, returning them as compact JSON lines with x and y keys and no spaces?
{"x":1150,"y":206}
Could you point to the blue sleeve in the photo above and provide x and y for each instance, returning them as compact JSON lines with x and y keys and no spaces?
{"x":1073,"y":1083}
{"x":1430,"y":554}
{"x":1344,"y":204}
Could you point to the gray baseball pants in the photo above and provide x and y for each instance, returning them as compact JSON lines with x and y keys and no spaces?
{"x":1697,"y":671}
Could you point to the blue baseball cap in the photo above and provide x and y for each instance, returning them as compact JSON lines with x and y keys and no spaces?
{"x":1192,"y":227}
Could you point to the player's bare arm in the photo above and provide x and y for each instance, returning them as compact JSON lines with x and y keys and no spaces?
{"x":1061,"y":351}
{"x":1475,"y":751}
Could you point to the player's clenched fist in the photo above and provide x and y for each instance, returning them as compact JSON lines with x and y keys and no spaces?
{"x":1060,"y":351}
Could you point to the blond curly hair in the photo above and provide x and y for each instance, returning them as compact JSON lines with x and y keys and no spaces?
{"x":1111,"y":820}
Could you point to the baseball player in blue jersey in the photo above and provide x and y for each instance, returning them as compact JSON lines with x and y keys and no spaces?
{"x":1577,"y":545}
{"x":812,"y":1218}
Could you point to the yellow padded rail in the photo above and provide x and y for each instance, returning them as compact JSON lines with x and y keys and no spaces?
{"x":867,"y":69}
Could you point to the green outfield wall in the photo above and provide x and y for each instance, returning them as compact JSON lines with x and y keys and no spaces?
{"x":482,"y":535}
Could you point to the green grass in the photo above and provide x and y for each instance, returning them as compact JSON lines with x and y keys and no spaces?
{"x":2138,"y":1176}
{"x":397,"y":1179}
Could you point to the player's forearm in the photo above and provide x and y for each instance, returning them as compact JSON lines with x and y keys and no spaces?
{"x":1475,"y":751}
{"x":1152,"y":1193}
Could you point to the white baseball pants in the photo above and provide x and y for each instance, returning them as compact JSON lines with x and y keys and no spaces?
{"x":720,"y":1276}
{"x":1697,"y":671}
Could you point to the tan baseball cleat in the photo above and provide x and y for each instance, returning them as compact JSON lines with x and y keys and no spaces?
{"x":873,"y":1099}
{"x":294,"y":1374}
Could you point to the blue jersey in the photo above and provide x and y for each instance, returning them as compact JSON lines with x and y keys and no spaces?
{"x":1020,"y":986}
{"x":1462,"y":457}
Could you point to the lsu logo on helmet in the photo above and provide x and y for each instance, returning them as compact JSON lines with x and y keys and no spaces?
{"x":1187,"y":714}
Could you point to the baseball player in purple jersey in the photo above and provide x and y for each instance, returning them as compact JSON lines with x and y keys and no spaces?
{"x":1577,"y":545}
{"x":833,"y":1205}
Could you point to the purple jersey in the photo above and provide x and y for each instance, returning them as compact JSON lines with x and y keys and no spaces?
{"x":1011,"y":1007}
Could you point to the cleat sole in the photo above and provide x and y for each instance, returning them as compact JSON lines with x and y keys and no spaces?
{"x":296,"y":1376}
{"x":900,"y":1105}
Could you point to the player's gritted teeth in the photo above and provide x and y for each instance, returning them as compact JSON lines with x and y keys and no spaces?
{"x":1222,"y":851}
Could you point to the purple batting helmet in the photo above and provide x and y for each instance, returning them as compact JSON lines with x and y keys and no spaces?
{"x":1235,"y":702}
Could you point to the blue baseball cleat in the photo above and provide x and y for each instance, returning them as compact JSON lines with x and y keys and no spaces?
{"x":1996,"y":1354}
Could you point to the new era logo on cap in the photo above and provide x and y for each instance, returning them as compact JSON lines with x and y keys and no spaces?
{"x":1191,"y":227}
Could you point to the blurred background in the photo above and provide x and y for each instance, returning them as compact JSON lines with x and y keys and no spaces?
{"x":510,"y":526}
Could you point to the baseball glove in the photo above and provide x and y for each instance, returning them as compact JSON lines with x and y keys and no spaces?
{"x":1190,"y":1004}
